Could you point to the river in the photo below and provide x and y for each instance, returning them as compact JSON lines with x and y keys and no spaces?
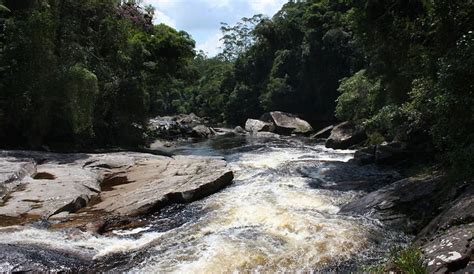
{"x":282,"y":213}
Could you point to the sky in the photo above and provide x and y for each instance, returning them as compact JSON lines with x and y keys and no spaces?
{"x":202,"y":18}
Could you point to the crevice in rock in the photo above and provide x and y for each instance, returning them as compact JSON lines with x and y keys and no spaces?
{"x":44,"y":176}
{"x":113,"y":180}
{"x":74,"y":206}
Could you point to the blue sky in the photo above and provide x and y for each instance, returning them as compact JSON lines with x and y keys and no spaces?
{"x":202,"y":18}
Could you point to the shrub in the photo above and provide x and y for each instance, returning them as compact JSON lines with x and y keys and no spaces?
{"x":359,"y":96}
{"x":388,"y":121}
{"x":409,"y":261}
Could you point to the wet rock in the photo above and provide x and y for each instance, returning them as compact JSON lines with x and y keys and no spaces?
{"x":202,"y":132}
{"x":458,"y":212}
{"x":239,"y":130}
{"x":153,"y":184}
{"x":30,"y":258}
{"x":287,"y":123}
{"x":221,"y":131}
{"x":264,"y":135}
{"x":390,"y":153}
{"x":345,"y":135}
{"x":450,"y":251}
{"x":323,"y":133}
{"x":254,"y":126}
{"x":383,"y":154}
{"x":346,"y":176}
{"x":408,"y":204}
{"x":95,"y":227}
{"x":365,"y":156}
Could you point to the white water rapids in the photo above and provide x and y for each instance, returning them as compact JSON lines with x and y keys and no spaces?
{"x":269,"y":220}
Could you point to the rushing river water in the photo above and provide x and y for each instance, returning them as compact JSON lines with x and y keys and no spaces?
{"x":280,"y":214}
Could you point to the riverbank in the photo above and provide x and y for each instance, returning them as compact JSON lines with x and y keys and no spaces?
{"x":291,"y":201}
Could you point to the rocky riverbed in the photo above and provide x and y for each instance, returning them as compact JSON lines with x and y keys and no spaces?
{"x":277,"y":204}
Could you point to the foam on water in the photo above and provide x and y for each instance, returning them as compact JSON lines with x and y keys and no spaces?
{"x":268,"y":220}
{"x":82,"y":243}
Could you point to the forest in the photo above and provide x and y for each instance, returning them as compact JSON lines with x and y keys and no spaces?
{"x":91,"y":73}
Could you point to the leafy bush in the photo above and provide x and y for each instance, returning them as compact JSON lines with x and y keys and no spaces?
{"x":358,"y":98}
{"x":388,"y":121}
{"x":375,"y":138}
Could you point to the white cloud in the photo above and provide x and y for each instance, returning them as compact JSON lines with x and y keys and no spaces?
{"x":267,"y":7}
{"x":220,"y":4}
{"x":202,"y":18}
{"x":212,"y":45}
{"x":161,"y":17}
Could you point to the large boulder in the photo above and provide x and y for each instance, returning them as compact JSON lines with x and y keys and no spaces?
{"x":254,"y":126}
{"x":365,"y":156}
{"x":458,"y":212}
{"x":202,"y":132}
{"x":384,"y":154}
{"x":179,"y":126}
{"x":286,"y":123}
{"x":345,"y":135}
{"x":155,"y":183}
{"x":408,"y":204}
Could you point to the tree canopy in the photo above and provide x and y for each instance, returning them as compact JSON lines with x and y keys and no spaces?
{"x":86,"y":71}
{"x":93,"y":71}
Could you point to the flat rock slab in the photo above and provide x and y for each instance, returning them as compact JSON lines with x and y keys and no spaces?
{"x":120,"y":184}
{"x":53,"y":189}
{"x":152,"y":184}
{"x":13,"y":170}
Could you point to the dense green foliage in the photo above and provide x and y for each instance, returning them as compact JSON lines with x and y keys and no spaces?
{"x":78,"y":72}
{"x":296,"y":62}
{"x":420,"y":58}
{"x":403,"y":69}
{"x":93,"y":71}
